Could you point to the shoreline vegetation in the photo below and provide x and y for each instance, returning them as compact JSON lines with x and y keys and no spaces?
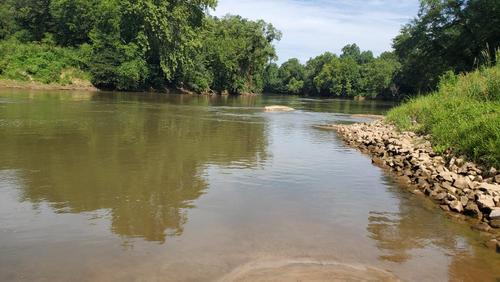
{"x":121,"y":45}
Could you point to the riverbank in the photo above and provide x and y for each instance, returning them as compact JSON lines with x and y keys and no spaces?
{"x":457,"y":185}
{"x":33,"y":85}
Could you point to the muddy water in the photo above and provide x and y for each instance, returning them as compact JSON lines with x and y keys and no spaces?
{"x":141,"y":187}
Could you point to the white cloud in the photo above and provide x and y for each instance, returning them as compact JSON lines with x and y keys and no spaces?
{"x":315,"y":26}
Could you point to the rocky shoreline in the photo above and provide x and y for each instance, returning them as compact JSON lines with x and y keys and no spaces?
{"x":455,"y":184}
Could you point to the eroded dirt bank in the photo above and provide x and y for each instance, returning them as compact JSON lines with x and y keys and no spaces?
{"x":455,"y":184}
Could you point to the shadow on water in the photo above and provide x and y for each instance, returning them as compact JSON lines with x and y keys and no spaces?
{"x":143,"y":164}
{"x":418,"y":224}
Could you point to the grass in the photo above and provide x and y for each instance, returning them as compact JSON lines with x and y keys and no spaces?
{"x":42,"y":63}
{"x":463,"y":115}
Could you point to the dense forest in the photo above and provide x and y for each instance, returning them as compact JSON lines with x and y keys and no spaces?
{"x":161,"y":44}
{"x":134,"y":45}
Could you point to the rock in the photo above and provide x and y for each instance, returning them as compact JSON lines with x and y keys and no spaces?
{"x":472,"y":210}
{"x":428,"y":191}
{"x":463,"y":169}
{"x":405,"y":179}
{"x":452,"y":161}
{"x":495,"y":223}
{"x":492,"y":244}
{"x":497,"y":178}
{"x":422,"y":182}
{"x":440,"y":196}
{"x":446,"y":176}
{"x":417,"y":192}
{"x":493,"y":171}
{"x":485,"y":202}
{"x":481,"y":227}
{"x":489,"y":187}
{"x":445,"y":207}
{"x":447,"y":186}
{"x":464,"y":200}
{"x":461,"y":182}
{"x":494,"y":214}
{"x":278,"y":109}
{"x":440,"y":169}
{"x":456,"y":206}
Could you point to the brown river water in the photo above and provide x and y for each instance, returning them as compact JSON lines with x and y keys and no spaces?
{"x":148,"y":187}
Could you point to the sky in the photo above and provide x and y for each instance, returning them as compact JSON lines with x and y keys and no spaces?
{"x":312,"y":27}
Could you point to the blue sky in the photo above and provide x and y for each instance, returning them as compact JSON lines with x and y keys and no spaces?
{"x":311,"y":27}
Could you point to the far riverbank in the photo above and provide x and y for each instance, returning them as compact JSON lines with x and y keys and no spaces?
{"x":32,"y":85}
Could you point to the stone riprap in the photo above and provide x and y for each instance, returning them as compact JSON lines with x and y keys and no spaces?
{"x":454,"y":183}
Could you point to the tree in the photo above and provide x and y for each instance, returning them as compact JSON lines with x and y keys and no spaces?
{"x":377,"y":76}
{"x":446,"y":36}
{"x":272,"y":81}
{"x":312,"y":68}
{"x":7,"y":22}
{"x":135,"y":41}
{"x":73,"y":20}
{"x":33,"y":18}
{"x":234,"y":54}
{"x":115,"y":64}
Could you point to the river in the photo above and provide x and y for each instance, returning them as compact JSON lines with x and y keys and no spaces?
{"x":147,"y":187}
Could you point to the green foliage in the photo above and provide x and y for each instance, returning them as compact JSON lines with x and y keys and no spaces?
{"x":134,"y":44}
{"x":272,"y":81}
{"x":233,"y":56}
{"x":7,"y":21}
{"x":446,"y":35}
{"x":41,"y":62}
{"x":377,"y":76}
{"x":464,"y":114}
{"x":115,"y":64}
{"x":73,"y":20}
{"x":32,"y":17}
{"x":143,"y":44}
{"x":354,"y":73}
{"x":295,"y":86}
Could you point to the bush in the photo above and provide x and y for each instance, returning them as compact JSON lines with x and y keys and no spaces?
{"x":464,"y":114}
{"x":42,"y":62}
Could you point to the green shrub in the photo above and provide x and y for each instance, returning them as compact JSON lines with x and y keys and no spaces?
{"x":464,"y":114}
{"x":42,"y":62}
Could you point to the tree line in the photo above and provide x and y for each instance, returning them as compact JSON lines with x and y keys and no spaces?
{"x":353,"y":73}
{"x":159,"y":44}
{"x":446,"y":35}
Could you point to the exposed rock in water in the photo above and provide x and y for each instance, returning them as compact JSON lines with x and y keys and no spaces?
{"x":494,"y":214}
{"x":485,"y":202}
{"x":473,"y":210}
{"x":445,"y":207}
{"x":495,"y":223}
{"x":278,"y":109}
{"x":456,"y":206}
{"x":481,"y":227}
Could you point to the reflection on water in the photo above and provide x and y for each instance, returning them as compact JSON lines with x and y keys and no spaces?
{"x":123,"y":186}
{"x":404,"y":234}
{"x":142,"y":163}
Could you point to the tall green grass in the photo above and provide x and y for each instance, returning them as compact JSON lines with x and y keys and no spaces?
{"x":464,"y":115}
{"x":42,"y":62}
